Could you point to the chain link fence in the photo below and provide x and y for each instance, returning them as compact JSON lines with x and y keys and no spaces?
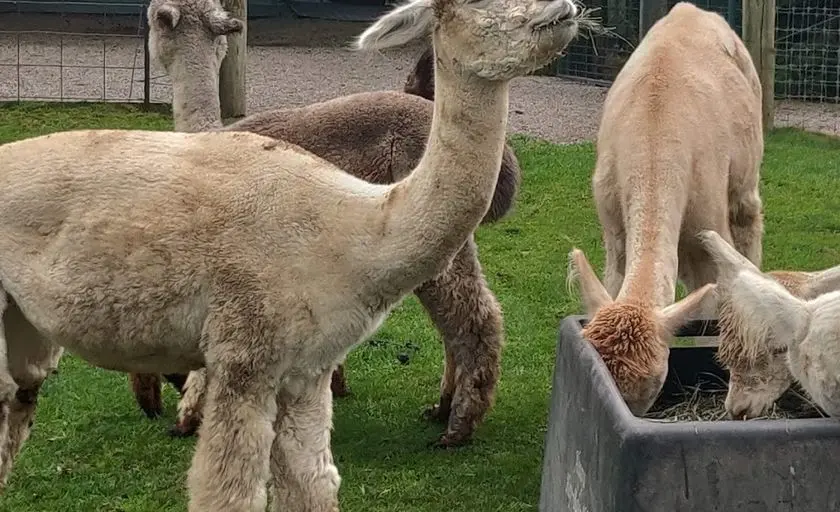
{"x":74,"y":51}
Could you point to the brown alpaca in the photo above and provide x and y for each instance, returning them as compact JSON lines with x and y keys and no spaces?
{"x":679,"y":150}
{"x":379,"y":137}
{"x":251,"y":258}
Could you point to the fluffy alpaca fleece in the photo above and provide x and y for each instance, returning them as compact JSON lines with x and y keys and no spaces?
{"x":379,"y":137}
{"x":761,"y":321}
{"x":679,"y":150}
{"x":269,"y":263}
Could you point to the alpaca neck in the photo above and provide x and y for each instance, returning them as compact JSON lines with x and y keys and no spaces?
{"x":430,"y":214}
{"x":195,"y":97}
{"x":651,"y":262}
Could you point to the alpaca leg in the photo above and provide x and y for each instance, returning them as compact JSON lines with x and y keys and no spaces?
{"x":31,"y":360}
{"x":178,"y":380}
{"x":440,"y":411}
{"x":339,"y":382}
{"x":191,"y":404}
{"x":697,"y":269}
{"x":230,"y":468}
{"x":146,"y":388}
{"x":615,"y":262}
{"x":303,"y":476}
{"x":469,"y":318}
{"x":746,"y":221}
{"x":192,"y":400}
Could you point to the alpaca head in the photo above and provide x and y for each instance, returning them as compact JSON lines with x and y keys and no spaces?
{"x":491,"y":39}
{"x":756,"y":380}
{"x":631,"y":337}
{"x":758,"y":318}
{"x":189,"y":32}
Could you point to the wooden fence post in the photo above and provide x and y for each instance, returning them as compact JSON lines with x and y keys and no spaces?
{"x":649,"y":13}
{"x":232,"y":95}
{"x":759,"y":34}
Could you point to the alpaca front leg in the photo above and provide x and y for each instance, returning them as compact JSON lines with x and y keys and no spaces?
{"x":615,"y":262}
{"x":469,"y":318}
{"x":230,"y":468}
{"x":191,"y":404}
{"x":303,"y":476}
{"x":31,"y":360}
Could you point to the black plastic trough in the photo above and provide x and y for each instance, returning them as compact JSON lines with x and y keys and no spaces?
{"x":599,"y":457}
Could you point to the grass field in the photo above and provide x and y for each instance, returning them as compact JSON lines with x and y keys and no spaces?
{"x":91,"y":449}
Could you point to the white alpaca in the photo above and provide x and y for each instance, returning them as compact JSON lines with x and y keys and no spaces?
{"x":764,"y":316}
{"x":757,"y":376}
{"x":679,"y":150}
{"x":165,"y":252}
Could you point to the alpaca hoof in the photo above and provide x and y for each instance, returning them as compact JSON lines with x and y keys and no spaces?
{"x":182,"y":430}
{"x":436,"y":413}
{"x":175,"y":431}
{"x":153,"y":412}
{"x":447,"y":441}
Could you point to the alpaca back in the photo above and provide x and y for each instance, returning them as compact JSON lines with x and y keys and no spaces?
{"x":680,"y":135}
{"x":376,"y":136}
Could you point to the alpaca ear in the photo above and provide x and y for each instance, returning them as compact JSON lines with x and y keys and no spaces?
{"x":760,"y":304}
{"x":679,"y":313}
{"x":728,"y":260}
{"x":404,"y":24}
{"x":825,"y":281}
{"x":593,"y":293}
{"x":222,"y":24}
{"x":167,"y":16}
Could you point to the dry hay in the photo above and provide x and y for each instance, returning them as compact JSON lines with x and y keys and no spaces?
{"x":706,"y":403}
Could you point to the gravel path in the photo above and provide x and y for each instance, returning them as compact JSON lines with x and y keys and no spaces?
{"x":300,"y":62}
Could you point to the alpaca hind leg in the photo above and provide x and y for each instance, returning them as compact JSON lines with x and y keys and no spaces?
{"x":746,"y":220}
{"x":178,"y":380}
{"x":31,"y":360}
{"x":191,"y":404}
{"x":338,"y":384}
{"x":230,"y":467}
{"x":440,"y":411}
{"x":469,"y":318}
{"x":303,"y":476}
{"x":146,"y":389}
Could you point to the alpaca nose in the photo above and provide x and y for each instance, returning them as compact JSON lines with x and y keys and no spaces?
{"x":737,"y":413}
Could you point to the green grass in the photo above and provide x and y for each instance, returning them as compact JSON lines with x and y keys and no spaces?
{"x":91,"y":449}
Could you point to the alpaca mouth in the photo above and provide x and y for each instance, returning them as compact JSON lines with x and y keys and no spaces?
{"x":559,"y":11}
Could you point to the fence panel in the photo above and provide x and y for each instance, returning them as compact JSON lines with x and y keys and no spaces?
{"x":74,"y":51}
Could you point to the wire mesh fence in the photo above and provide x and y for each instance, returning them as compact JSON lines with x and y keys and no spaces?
{"x":808,"y":50}
{"x":807,"y":45}
{"x":74,"y":51}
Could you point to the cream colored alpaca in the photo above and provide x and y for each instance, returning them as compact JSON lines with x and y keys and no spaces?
{"x":765,"y":318}
{"x":165,"y":252}
{"x":679,"y":150}
{"x":758,"y":376}
{"x":378,"y":136}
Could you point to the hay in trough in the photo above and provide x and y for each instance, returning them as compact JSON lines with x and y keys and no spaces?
{"x":706,"y":403}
